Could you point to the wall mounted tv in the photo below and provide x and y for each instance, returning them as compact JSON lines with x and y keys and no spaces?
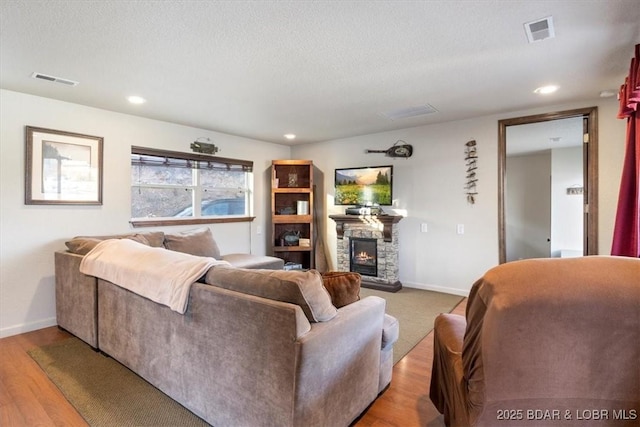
{"x":364,"y":186}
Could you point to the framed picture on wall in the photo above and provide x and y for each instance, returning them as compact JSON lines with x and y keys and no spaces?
{"x":62,"y":168}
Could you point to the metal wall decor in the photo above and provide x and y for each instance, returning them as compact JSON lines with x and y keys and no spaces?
{"x":403,"y":150}
{"x":198,"y":146}
{"x":471,"y":160}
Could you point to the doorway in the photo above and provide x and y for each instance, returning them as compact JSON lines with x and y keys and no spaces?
{"x":533,"y":219}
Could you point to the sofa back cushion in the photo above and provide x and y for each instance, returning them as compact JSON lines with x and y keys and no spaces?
{"x":303,"y":288}
{"x":198,"y":242}
{"x":81,"y":245}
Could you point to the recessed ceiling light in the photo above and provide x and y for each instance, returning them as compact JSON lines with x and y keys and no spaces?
{"x":136,"y":99}
{"x":545,"y":90}
{"x":290,"y":136}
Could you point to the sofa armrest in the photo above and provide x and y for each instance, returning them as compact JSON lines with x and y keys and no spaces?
{"x":76,"y":298}
{"x":338,"y":364}
{"x":448,"y":390}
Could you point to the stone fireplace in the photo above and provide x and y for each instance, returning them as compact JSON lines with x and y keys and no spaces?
{"x":369,"y":245}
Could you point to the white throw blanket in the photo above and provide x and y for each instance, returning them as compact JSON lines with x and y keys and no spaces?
{"x":159,"y":274}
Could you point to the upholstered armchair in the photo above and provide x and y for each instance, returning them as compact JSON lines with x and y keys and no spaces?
{"x":544,"y":342}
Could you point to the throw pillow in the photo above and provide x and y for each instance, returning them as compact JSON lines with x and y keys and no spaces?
{"x":155,"y":238}
{"x":140,"y":238}
{"x":303,"y":288}
{"x":199,"y":242}
{"x":344,"y":287}
{"x":82,"y":245}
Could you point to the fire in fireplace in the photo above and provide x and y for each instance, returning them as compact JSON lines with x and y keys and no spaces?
{"x":364,"y":256}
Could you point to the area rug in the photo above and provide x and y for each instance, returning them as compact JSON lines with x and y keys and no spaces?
{"x":106,"y":393}
{"x":415,"y":309}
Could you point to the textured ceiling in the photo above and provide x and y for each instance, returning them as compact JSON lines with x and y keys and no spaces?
{"x":323,"y":69}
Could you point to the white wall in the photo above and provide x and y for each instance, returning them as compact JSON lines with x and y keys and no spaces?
{"x":567,"y":216}
{"x":29,"y":235}
{"x":428,"y":188}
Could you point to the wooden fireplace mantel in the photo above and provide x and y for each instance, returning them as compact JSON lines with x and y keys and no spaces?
{"x":387,"y":222}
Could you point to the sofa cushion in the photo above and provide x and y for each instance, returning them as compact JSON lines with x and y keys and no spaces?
{"x":303,"y":288}
{"x":344,"y":287}
{"x":199,"y":242}
{"x":254,"y":261}
{"x":83,"y":245}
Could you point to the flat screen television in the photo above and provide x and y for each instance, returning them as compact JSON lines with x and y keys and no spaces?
{"x":364,"y":186}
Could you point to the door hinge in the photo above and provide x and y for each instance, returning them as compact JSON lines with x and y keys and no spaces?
{"x":585,"y":138}
{"x":586,"y":208}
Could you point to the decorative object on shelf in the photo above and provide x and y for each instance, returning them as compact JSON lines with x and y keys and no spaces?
{"x":287,"y":211}
{"x":198,"y":146}
{"x":302,"y":207}
{"x":292,"y":266}
{"x":304,"y":242}
{"x":403,"y":150}
{"x":471,"y":159}
{"x":62,"y":168}
{"x":292,"y":179}
{"x":290,"y":238}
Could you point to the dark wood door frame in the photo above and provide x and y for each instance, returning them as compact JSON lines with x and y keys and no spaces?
{"x":590,"y":171}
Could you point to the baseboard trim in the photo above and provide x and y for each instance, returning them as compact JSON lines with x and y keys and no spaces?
{"x":435,"y":288}
{"x":27,"y":327}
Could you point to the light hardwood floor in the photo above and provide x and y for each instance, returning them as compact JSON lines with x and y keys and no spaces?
{"x":28,"y":398}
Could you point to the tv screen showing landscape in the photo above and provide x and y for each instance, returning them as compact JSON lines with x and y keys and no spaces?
{"x":371,"y":185}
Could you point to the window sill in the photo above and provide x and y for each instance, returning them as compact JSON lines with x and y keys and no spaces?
{"x":158,"y":222}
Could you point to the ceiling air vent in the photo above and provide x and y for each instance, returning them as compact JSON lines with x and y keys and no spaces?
{"x":403,"y":113}
{"x":54,"y":79}
{"x":540,"y":30}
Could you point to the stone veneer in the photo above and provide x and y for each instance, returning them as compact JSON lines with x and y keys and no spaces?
{"x":385,"y":230}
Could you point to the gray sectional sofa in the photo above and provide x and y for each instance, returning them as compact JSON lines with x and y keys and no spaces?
{"x":255,"y":347}
{"x":77,"y":294}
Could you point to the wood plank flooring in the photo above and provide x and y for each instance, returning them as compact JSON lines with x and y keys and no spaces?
{"x":28,"y":398}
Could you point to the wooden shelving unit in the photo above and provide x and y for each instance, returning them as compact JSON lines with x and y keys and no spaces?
{"x":292,"y":211}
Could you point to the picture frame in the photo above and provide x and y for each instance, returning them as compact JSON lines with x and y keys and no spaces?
{"x":62,"y":168}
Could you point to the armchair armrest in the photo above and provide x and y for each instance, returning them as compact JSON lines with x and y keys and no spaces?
{"x":447,"y":390}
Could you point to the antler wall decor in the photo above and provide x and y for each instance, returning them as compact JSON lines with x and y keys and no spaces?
{"x":471,"y":159}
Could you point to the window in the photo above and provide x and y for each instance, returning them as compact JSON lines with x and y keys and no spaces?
{"x":169,"y":187}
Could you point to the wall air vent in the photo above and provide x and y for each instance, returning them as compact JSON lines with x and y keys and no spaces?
{"x":54,"y":79}
{"x":540,"y":30}
{"x":404,"y":113}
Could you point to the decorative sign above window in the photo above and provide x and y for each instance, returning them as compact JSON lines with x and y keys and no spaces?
{"x":198,"y":146}
{"x":471,"y":159}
